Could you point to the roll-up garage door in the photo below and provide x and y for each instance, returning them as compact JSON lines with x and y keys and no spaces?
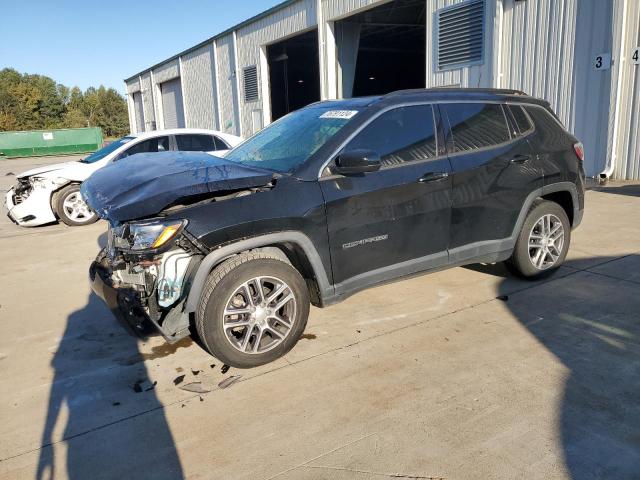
{"x":138,"y":111}
{"x":172,"y":108}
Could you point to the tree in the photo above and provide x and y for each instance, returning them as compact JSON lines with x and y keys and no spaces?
{"x":29,"y":102}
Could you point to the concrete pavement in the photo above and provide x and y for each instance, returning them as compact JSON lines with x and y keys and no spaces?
{"x":432,"y":377}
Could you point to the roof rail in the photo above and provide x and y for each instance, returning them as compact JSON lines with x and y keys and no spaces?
{"x":496,"y":91}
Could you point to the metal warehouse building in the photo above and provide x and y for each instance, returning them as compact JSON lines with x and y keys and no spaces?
{"x":580,"y":55}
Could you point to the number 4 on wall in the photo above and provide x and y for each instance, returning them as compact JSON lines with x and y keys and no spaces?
{"x":635,"y":56}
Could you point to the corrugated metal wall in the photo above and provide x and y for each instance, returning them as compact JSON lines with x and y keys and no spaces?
{"x":283,"y":23}
{"x":626,"y":150}
{"x":547,"y":50}
{"x":147,"y":101}
{"x":199,"y":88}
{"x":227,"y":85}
{"x":334,"y":9}
{"x":166,"y":71}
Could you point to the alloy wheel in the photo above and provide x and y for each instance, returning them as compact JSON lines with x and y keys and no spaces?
{"x":76,"y":209}
{"x":259,"y":315}
{"x":546,"y":240}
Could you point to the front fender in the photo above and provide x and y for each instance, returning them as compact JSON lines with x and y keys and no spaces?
{"x":214,"y":258}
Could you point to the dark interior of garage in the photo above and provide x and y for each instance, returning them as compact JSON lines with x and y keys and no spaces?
{"x":294,"y":73}
{"x":383,"y":49}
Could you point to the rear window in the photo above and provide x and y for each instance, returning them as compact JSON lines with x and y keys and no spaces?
{"x":195,"y":143}
{"x":522,"y":119}
{"x":477,"y":125}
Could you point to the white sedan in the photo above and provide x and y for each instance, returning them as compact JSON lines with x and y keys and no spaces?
{"x":44,"y":194}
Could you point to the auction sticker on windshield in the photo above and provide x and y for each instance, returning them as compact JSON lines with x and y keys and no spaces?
{"x":344,"y":114}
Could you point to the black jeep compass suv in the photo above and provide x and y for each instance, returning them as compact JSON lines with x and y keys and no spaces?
{"x":331,"y":199}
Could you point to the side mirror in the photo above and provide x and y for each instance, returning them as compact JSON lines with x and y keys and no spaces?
{"x":357,"y":161}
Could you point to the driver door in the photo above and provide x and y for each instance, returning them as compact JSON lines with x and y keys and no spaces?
{"x":394,"y":221}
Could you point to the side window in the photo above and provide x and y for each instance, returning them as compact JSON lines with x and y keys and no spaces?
{"x":405,"y":134}
{"x":195,"y":143}
{"x":158,"y":144}
{"x":477,"y":125}
{"x":522,"y":120}
{"x":220,"y":144}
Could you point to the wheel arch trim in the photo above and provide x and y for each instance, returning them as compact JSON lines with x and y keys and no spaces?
{"x":214,"y":258}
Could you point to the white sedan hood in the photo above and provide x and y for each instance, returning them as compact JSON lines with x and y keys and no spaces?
{"x":75,"y":171}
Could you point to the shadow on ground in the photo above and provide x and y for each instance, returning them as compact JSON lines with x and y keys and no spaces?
{"x":590,"y":320}
{"x":100,"y":380}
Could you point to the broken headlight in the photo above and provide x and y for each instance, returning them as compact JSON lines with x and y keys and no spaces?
{"x":153,"y":235}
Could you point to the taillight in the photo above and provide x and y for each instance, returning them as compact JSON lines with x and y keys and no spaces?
{"x":579,"y":149}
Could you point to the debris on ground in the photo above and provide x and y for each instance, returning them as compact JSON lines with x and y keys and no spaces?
{"x":151,"y":387}
{"x":504,"y":298}
{"x":201,"y":399}
{"x":359,"y":331}
{"x":9,"y":174}
{"x":144,"y":385}
{"x":225,"y":368}
{"x":178,"y":380}
{"x":227,"y":382}
{"x":195,"y":387}
{"x":309,"y":336}
{"x":212,"y":365}
{"x":195,"y":372}
{"x":179,"y":369}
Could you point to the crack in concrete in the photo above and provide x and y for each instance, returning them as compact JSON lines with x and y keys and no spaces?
{"x":380,"y":474}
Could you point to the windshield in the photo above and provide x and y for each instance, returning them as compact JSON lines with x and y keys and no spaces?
{"x":106,"y":150}
{"x":289,"y":142}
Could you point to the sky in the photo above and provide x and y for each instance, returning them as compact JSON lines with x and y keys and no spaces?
{"x":91,"y":43}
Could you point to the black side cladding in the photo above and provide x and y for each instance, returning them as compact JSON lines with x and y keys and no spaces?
{"x":144,"y":184}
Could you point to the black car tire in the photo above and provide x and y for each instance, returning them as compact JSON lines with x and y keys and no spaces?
{"x":58,"y":201}
{"x":221,"y":284}
{"x":520,"y":261}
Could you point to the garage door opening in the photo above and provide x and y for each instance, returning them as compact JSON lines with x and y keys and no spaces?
{"x":383,"y":49}
{"x":294,"y":73}
{"x":172,"y":107}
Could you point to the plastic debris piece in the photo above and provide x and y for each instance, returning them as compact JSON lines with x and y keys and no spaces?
{"x":137,"y":387}
{"x":178,"y":380}
{"x":227,"y":382}
{"x":151,"y":387}
{"x":201,"y":399}
{"x":212,"y":365}
{"x":195,"y":387}
{"x":225,"y":368}
{"x":504,"y":298}
{"x":195,"y":372}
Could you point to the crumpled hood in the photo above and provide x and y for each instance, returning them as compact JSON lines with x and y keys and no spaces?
{"x":56,"y":170}
{"x":146,"y":183}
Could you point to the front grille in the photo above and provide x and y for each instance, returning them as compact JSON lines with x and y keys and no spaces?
{"x":17,"y":199}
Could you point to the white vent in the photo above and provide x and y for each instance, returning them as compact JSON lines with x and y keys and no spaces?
{"x":461,"y":34}
{"x":250,"y":75}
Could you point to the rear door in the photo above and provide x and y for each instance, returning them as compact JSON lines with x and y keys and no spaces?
{"x":394,"y":221}
{"x":494,"y":170}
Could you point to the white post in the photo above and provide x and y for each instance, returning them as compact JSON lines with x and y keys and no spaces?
{"x":265,"y":86}
{"x":216,"y":93}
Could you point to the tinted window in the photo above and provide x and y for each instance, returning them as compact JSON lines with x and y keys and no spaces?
{"x":477,"y":125}
{"x":106,"y":150}
{"x":195,"y":143}
{"x":522,"y":121}
{"x":401,"y":135}
{"x":158,"y":144}
{"x":220,"y":144}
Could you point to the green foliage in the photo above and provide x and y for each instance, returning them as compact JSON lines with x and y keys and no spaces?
{"x":32,"y":102}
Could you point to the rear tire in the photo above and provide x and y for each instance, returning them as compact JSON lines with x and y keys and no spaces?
{"x":271,"y":304}
{"x":71,"y":207}
{"x":543,"y":242}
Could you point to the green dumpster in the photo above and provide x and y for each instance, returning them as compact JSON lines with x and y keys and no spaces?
{"x":50,"y":142}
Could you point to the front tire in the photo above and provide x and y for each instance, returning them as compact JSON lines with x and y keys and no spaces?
{"x":71,"y":207}
{"x":543,"y":242}
{"x":253,"y":309}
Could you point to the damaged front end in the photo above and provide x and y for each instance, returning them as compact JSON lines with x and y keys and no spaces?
{"x":144,"y":274}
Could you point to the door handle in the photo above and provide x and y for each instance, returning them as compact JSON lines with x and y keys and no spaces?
{"x":520,"y":159}
{"x":433,"y":177}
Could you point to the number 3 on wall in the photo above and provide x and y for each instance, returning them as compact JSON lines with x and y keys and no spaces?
{"x":602,"y":61}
